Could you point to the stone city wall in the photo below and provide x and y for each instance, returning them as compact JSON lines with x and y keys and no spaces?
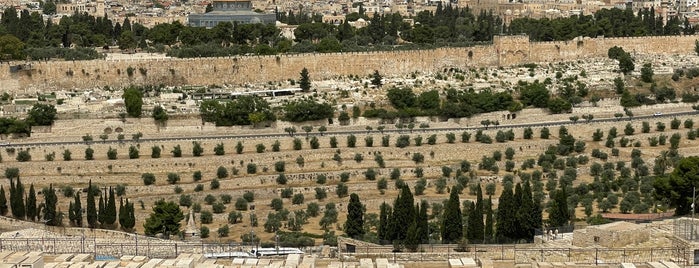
{"x":506,"y":50}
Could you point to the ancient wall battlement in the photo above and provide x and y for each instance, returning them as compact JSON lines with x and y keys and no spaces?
{"x":505,"y":51}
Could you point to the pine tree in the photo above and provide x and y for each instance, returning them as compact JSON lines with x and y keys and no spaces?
{"x":504,"y":220}
{"x":452,"y":227}
{"x":31,"y":204}
{"x":50,"y":201}
{"x":91,"y":209}
{"x":3,"y":201}
{"x":354,"y":226}
{"x":110,"y":206}
{"x":488,"y":232}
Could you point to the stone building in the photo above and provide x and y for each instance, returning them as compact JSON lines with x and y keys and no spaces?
{"x":233,"y":11}
{"x":611,"y":235}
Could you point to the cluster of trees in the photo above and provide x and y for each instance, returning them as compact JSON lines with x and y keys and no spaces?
{"x":23,"y":205}
{"x":244,"y":110}
{"x":678,"y":186}
{"x":393,"y":221}
{"x":252,"y":110}
{"x":48,"y":40}
{"x":307,"y":110}
{"x":39,"y":115}
{"x":518,"y":215}
{"x":107,"y":216}
{"x":626,"y":62}
{"x":29,"y":209}
{"x":608,"y":22}
{"x":465,"y":103}
{"x":446,"y":25}
{"x":537,"y":95}
{"x":457,"y":103}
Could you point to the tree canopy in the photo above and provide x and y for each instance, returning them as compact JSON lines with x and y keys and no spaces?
{"x":133,"y":100}
{"x":307,"y":110}
{"x":41,"y":115}
{"x":165,"y":219}
{"x":354,"y":227}
{"x":244,"y":110}
{"x":678,"y":186}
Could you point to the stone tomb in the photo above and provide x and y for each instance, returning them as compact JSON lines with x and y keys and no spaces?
{"x":611,"y":235}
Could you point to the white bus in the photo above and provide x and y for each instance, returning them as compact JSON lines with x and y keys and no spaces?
{"x":230,"y":254}
{"x":261,"y":252}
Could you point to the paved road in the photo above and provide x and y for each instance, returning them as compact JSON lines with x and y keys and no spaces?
{"x":348,"y":132}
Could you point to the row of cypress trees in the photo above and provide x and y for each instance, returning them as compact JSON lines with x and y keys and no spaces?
{"x":518,"y":216}
{"x":48,"y":213}
{"x":29,"y":210}
{"x":106,"y":216}
{"x":405,"y":221}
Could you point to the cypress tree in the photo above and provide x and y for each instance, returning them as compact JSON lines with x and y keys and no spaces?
{"x":412,"y":236}
{"x":3,"y":202}
{"x":91,"y":208}
{"x":475,"y":219}
{"x":558,"y":209}
{"x":17,"y":199}
{"x":422,"y":222}
{"x":354,"y":226}
{"x":488,"y":232}
{"x":131,"y":222}
{"x":518,"y":226}
{"x":384,"y":222}
{"x":526,"y":214}
{"x":102,"y":212}
{"x":71,"y":213}
{"x":452,"y":226}
{"x":78,"y":211}
{"x":50,"y":200}
{"x":123,"y":213}
{"x":13,"y":201}
{"x":111,"y":212}
{"x":504,"y":220}
{"x":412,"y":241}
{"x":31,"y":204}
{"x":403,"y":213}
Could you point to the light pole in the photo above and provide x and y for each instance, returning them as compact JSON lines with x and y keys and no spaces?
{"x":694,"y":200}
{"x":136,"y":236}
{"x":43,"y":235}
{"x":252,"y":232}
{"x":276,"y":238}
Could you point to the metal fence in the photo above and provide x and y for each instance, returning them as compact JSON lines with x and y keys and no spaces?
{"x":151,"y":249}
{"x":602,"y":255}
{"x":437,"y":252}
{"x":520,"y":254}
